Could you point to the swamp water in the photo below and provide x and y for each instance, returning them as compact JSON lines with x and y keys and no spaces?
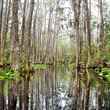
{"x":46,"y":89}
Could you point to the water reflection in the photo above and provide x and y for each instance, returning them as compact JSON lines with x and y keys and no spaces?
{"x":50,"y":89}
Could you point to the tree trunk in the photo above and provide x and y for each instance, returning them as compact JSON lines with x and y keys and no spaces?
{"x":23,"y":33}
{"x":101,"y":33}
{"x":1,"y":14}
{"x":4,"y":32}
{"x":29,"y":24}
{"x":15,"y":37}
{"x":76,"y":4}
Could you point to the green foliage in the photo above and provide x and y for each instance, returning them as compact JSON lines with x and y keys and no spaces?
{"x":8,"y":74}
{"x":105,"y":73}
{"x":40,"y":66}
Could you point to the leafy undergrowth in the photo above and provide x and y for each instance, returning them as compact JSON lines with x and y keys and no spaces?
{"x":105,"y":73}
{"x":8,"y":74}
